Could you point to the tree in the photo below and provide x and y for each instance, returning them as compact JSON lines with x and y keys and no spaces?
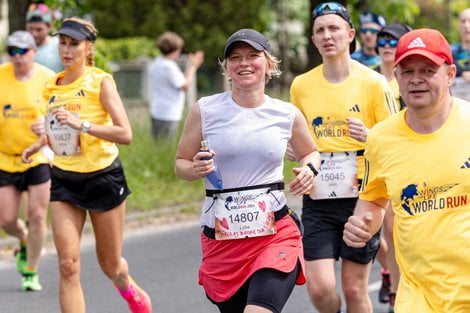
{"x":203,"y":25}
{"x":17,"y":14}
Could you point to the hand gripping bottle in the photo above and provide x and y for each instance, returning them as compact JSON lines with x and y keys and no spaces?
{"x":214,"y":177}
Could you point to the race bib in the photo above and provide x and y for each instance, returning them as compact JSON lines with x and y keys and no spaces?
{"x":63,"y":139}
{"x":244,"y":214}
{"x":337,"y":177}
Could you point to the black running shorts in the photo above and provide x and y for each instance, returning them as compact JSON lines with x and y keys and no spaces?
{"x":33,"y":176}
{"x":97,"y":191}
{"x":267,"y":288}
{"x":323,"y":222}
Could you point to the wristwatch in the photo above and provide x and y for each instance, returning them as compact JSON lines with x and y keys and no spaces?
{"x":85,"y":126}
{"x":312,"y":168}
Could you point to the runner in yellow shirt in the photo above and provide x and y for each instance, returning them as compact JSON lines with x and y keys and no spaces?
{"x":21,"y":85}
{"x":420,"y":160}
{"x":85,"y":120}
{"x":340,"y":99}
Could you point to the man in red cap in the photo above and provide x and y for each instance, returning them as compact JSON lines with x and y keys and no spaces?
{"x":429,"y":190}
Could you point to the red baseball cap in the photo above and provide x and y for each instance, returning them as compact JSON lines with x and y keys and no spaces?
{"x":429,"y":43}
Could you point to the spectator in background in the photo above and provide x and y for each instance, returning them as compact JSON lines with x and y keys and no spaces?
{"x":39,"y":24}
{"x":21,"y":84}
{"x":370,"y":25}
{"x":461,"y":51}
{"x":168,"y":84}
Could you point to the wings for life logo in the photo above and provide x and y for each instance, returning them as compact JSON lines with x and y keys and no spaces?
{"x":9,"y":112}
{"x":417,"y":200}
{"x":327,"y":127}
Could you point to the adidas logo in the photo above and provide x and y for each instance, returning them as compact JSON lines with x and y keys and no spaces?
{"x":355,"y":108}
{"x":332,"y":194}
{"x":80,"y":93}
{"x":417,"y":43}
{"x":466,"y":164}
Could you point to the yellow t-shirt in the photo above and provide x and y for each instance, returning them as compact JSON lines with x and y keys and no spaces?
{"x":82,"y":97}
{"x":364,"y":94}
{"x":22,"y":104}
{"x":427,"y":178}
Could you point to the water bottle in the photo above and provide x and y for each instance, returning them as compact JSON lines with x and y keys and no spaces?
{"x":214,"y":177}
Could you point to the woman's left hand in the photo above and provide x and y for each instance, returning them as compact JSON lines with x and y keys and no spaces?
{"x":303,"y":182}
{"x":64,"y":117}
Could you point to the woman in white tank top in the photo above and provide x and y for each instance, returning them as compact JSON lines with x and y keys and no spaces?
{"x":249,"y":235}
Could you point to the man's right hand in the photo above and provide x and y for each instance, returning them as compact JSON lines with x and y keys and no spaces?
{"x":357,"y":230}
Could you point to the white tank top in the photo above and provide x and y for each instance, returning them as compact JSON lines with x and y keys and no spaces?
{"x":249,"y":143}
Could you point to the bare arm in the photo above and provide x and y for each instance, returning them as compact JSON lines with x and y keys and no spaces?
{"x":189,"y":164}
{"x":366,"y":221}
{"x":304,"y":149}
{"x":120,"y":132}
{"x":34,"y":148}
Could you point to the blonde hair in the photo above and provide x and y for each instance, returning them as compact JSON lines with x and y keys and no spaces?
{"x":272,"y":61}
{"x":91,"y":57}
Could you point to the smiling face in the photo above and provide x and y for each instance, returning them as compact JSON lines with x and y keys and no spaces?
{"x":73,"y":53}
{"x":423,"y":84}
{"x":332,"y":35}
{"x":246,"y":66}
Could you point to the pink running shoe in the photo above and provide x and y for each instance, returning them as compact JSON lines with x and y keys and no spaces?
{"x":138,"y":300}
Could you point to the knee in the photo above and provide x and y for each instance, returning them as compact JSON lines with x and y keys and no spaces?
{"x":37,"y":217}
{"x":354,"y":291}
{"x":69,"y":267}
{"x":111,"y":268}
{"x":7,"y":222}
{"x":321,"y":292}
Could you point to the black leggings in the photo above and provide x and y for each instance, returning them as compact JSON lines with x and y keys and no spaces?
{"x":267,"y":288}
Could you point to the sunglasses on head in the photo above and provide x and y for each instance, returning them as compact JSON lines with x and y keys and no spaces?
{"x":328,"y":8}
{"x":12,"y":51}
{"x":391,"y":42}
{"x":370,"y":30}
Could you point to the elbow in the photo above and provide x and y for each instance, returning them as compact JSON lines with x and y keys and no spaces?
{"x":126,"y":139}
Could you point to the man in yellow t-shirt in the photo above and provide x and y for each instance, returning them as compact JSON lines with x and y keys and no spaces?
{"x":420,"y":161}
{"x":21,"y":85}
{"x":340,"y":99}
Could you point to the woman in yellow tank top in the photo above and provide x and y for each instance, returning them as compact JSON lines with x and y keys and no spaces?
{"x":85,"y":119}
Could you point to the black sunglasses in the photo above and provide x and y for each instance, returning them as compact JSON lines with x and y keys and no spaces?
{"x":12,"y":51}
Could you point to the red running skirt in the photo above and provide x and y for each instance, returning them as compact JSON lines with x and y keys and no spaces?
{"x":228,"y":264}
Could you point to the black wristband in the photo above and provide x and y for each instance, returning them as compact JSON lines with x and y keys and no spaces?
{"x":312,"y":168}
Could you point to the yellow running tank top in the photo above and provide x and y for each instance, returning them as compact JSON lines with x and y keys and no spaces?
{"x":82,"y":97}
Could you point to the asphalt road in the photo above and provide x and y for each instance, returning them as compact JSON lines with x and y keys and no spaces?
{"x":164,"y":260}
